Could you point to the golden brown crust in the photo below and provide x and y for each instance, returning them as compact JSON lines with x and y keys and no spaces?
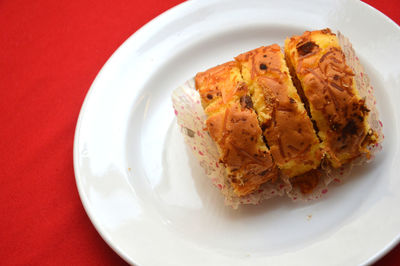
{"x":236,"y":129}
{"x":287,"y":128}
{"x":329,"y":87}
{"x":237,"y":133}
{"x":218,"y":84}
{"x":261,"y":60}
{"x":233,"y":125}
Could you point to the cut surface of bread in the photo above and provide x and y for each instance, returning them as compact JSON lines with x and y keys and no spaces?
{"x":286,"y":126}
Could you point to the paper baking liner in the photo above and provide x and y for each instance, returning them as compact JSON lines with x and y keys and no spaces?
{"x":191,"y":119}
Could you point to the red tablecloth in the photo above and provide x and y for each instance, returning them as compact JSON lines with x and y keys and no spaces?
{"x":50,"y":52}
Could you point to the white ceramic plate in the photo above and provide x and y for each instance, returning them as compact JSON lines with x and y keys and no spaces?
{"x":148,"y":197}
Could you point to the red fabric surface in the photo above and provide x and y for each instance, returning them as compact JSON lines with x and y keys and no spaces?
{"x":50,"y":52}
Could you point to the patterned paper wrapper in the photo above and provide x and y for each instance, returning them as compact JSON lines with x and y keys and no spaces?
{"x":191,"y":119}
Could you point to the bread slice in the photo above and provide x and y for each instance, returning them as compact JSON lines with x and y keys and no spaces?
{"x":233,"y":125}
{"x":286,"y":126}
{"x":328,"y":88}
